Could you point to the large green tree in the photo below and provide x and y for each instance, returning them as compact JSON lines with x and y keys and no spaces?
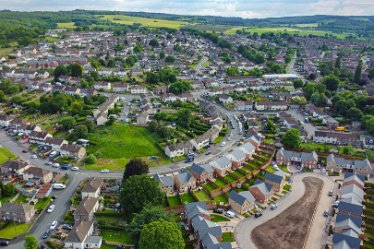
{"x":161,"y":235}
{"x":135,"y":166}
{"x":139,"y":191}
{"x":31,"y":242}
{"x":332,"y":82}
{"x":292,"y":139}
{"x":76,"y":70}
{"x":68,"y":123}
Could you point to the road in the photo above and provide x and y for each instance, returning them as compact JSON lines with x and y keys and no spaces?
{"x":308,"y":127}
{"x":244,"y":229}
{"x":201,"y":64}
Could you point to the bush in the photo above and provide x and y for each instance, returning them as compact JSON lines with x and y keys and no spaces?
{"x":90,"y":159}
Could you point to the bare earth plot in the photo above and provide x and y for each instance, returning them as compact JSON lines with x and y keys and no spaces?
{"x":289,"y":229}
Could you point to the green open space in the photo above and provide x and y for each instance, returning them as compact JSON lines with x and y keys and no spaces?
{"x":6,"y":155}
{"x":227,"y":237}
{"x":22,"y":199}
{"x":13,"y":230}
{"x":174,"y":201}
{"x":202,"y":195}
{"x":147,"y":22}
{"x":220,"y":183}
{"x":115,"y":145}
{"x":218,"y":218}
{"x":187,"y":198}
{"x":5,"y":51}
{"x":66,"y":25}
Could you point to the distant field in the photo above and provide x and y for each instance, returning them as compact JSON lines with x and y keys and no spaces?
{"x":5,"y":51}
{"x":300,"y":31}
{"x":147,"y":22}
{"x":209,"y":27}
{"x":307,"y":25}
{"x":117,"y":144}
{"x":66,"y":25}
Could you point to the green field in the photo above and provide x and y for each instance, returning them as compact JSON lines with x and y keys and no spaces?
{"x":298,"y":31}
{"x":307,"y":25}
{"x":6,"y":155}
{"x":115,"y":145}
{"x":5,"y":51}
{"x":147,"y":22}
{"x":11,"y":231}
{"x":66,"y":25}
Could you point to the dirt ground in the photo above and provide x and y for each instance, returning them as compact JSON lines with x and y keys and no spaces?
{"x":289,"y":229}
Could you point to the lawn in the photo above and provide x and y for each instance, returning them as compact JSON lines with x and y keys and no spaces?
{"x":270,"y":169}
{"x":117,"y":236}
{"x":174,"y":201}
{"x":21,"y":199}
{"x":116,"y":144}
{"x":42,"y":203}
{"x":238,"y":174}
{"x":246,"y":169}
{"x":220,"y":198}
{"x":230,"y":178}
{"x":209,"y":186}
{"x":6,"y":155}
{"x":10,"y":232}
{"x":202,"y":195}
{"x":66,"y":25}
{"x":218,"y":218}
{"x":283,"y":168}
{"x":287,"y":187}
{"x":220,"y":183}
{"x":187,"y":198}
{"x":147,"y":22}
{"x":227,"y":237}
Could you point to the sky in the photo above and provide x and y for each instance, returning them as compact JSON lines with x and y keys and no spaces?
{"x":231,"y":8}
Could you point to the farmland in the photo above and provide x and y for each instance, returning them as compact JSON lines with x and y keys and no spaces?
{"x":65,"y":25}
{"x":146,"y":22}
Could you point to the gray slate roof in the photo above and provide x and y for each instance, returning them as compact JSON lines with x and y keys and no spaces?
{"x":273,"y":177}
{"x":167,"y":181}
{"x":200,"y":169}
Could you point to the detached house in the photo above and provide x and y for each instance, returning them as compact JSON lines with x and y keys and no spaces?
{"x":86,"y":209}
{"x":221,"y":165}
{"x":73,"y":151}
{"x":22,"y":213}
{"x":166,"y":184}
{"x":241,"y":202}
{"x":185,"y":182}
{"x":14,"y":166}
{"x":237,"y":157}
{"x":177,"y":150}
{"x":92,"y":188}
{"x":277,"y":181}
{"x":80,"y":237}
{"x":202,"y":172}
{"x":262,"y":191}
{"x":225,"y":99}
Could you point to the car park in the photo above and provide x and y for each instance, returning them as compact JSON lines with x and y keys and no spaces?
{"x":51,"y":208}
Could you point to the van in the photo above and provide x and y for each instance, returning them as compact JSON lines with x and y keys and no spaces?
{"x":230,"y":214}
{"x":59,"y":186}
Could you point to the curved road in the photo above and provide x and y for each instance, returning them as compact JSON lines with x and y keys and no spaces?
{"x":244,"y":229}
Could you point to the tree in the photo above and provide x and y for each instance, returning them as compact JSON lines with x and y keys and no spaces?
{"x":151,"y":78}
{"x":31,"y":242}
{"x":2,"y":96}
{"x":357,"y":76}
{"x":154,"y":43}
{"x":68,"y":123}
{"x":298,"y":83}
{"x":331,"y":81}
{"x":292,"y":139}
{"x":354,"y":114}
{"x":270,"y":126}
{"x":60,"y":70}
{"x":184,"y":118}
{"x":79,"y":132}
{"x":161,"y":234}
{"x":162,"y":55}
{"x":319,"y":99}
{"x":90,"y":159}
{"x":180,"y":87}
{"x":135,"y":166}
{"x":139,"y":191}
{"x":232,"y":71}
{"x":8,"y":190}
{"x":76,"y":70}
{"x":170,"y":59}
{"x":90,"y":125}
{"x":146,"y":216}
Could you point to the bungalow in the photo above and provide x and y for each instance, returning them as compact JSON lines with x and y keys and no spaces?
{"x":55,"y":143}
{"x":237,"y":157}
{"x":339,"y":164}
{"x":92,"y":188}
{"x":44,"y":175}
{"x":262,"y":191}
{"x":80,"y":237}
{"x":86,"y":209}
{"x":73,"y":151}
{"x":14,"y":166}
{"x":22,"y":213}
{"x":241,"y":202}
{"x":184,"y":182}
{"x":340,"y":138}
{"x":38,"y":137}
{"x":166,"y":184}
{"x":5,"y":120}
{"x":179,"y":149}
{"x":271,"y":106}
{"x":221,"y":165}
{"x":202,"y":173}
{"x":275,"y":180}
{"x":302,"y":159}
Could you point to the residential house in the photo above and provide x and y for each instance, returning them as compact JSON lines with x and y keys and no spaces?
{"x":221,"y":165}
{"x":44,"y":175}
{"x":92,"y":188}
{"x":343,"y":241}
{"x":357,"y":180}
{"x":262,"y":191}
{"x":5,"y":120}
{"x":81,"y":237}
{"x":166,"y":184}
{"x":339,"y":138}
{"x":367,"y":141}
{"x":225,"y":99}
{"x":120,"y":87}
{"x":241,"y":202}
{"x":277,"y":181}
{"x":352,"y":191}
{"x":55,"y":143}
{"x":202,"y":173}
{"x":138,"y":90}
{"x":38,"y":137}
{"x":207,"y":138}
{"x":350,"y":208}
{"x":14,"y":166}
{"x":73,"y":151}
{"x":195,"y":209}
{"x":243,"y":106}
{"x":248,"y":149}
{"x":271,"y":106}
{"x":237,"y":157}
{"x":341,"y":164}
{"x":86,"y":209}
{"x":302,"y":159}
{"x":22,"y":213}
{"x":106,"y":86}
{"x":184,"y":182}
{"x":179,"y":149}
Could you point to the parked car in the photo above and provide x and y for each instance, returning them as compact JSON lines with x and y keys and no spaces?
{"x":258,"y":214}
{"x":59,"y":186}
{"x":273,"y":206}
{"x":326,"y":213}
{"x":54,"y":197}
{"x":74,"y":168}
{"x":104,"y":171}
{"x":53,"y":225}
{"x":336,"y":204}
{"x":46,"y":233}
{"x":67,"y":227}
{"x":24,"y":151}
{"x":4,"y":242}
{"x":51,"y":208}
{"x":219,"y":210}
{"x":331,"y":193}
{"x":48,"y":163}
{"x":208,"y":153}
{"x":56,"y":165}
{"x":34,"y":156}
{"x":65,"y":167}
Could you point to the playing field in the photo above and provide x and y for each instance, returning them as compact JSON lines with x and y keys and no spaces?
{"x":147,"y":22}
{"x":66,"y":25}
{"x":115,"y":145}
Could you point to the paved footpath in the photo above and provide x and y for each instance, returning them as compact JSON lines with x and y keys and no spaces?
{"x":244,"y":229}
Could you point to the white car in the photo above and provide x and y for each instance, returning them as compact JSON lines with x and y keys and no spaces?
{"x":74,"y":169}
{"x":51,"y":208}
{"x":34,"y":157}
{"x":56,"y":165}
{"x":104,"y":171}
{"x":53,"y":225}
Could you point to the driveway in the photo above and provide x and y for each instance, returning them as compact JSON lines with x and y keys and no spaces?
{"x":244,"y":229}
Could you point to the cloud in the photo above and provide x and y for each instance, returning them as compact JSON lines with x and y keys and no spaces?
{"x":239,"y":8}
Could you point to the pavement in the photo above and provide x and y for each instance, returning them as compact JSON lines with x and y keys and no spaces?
{"x":244,"y":229}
